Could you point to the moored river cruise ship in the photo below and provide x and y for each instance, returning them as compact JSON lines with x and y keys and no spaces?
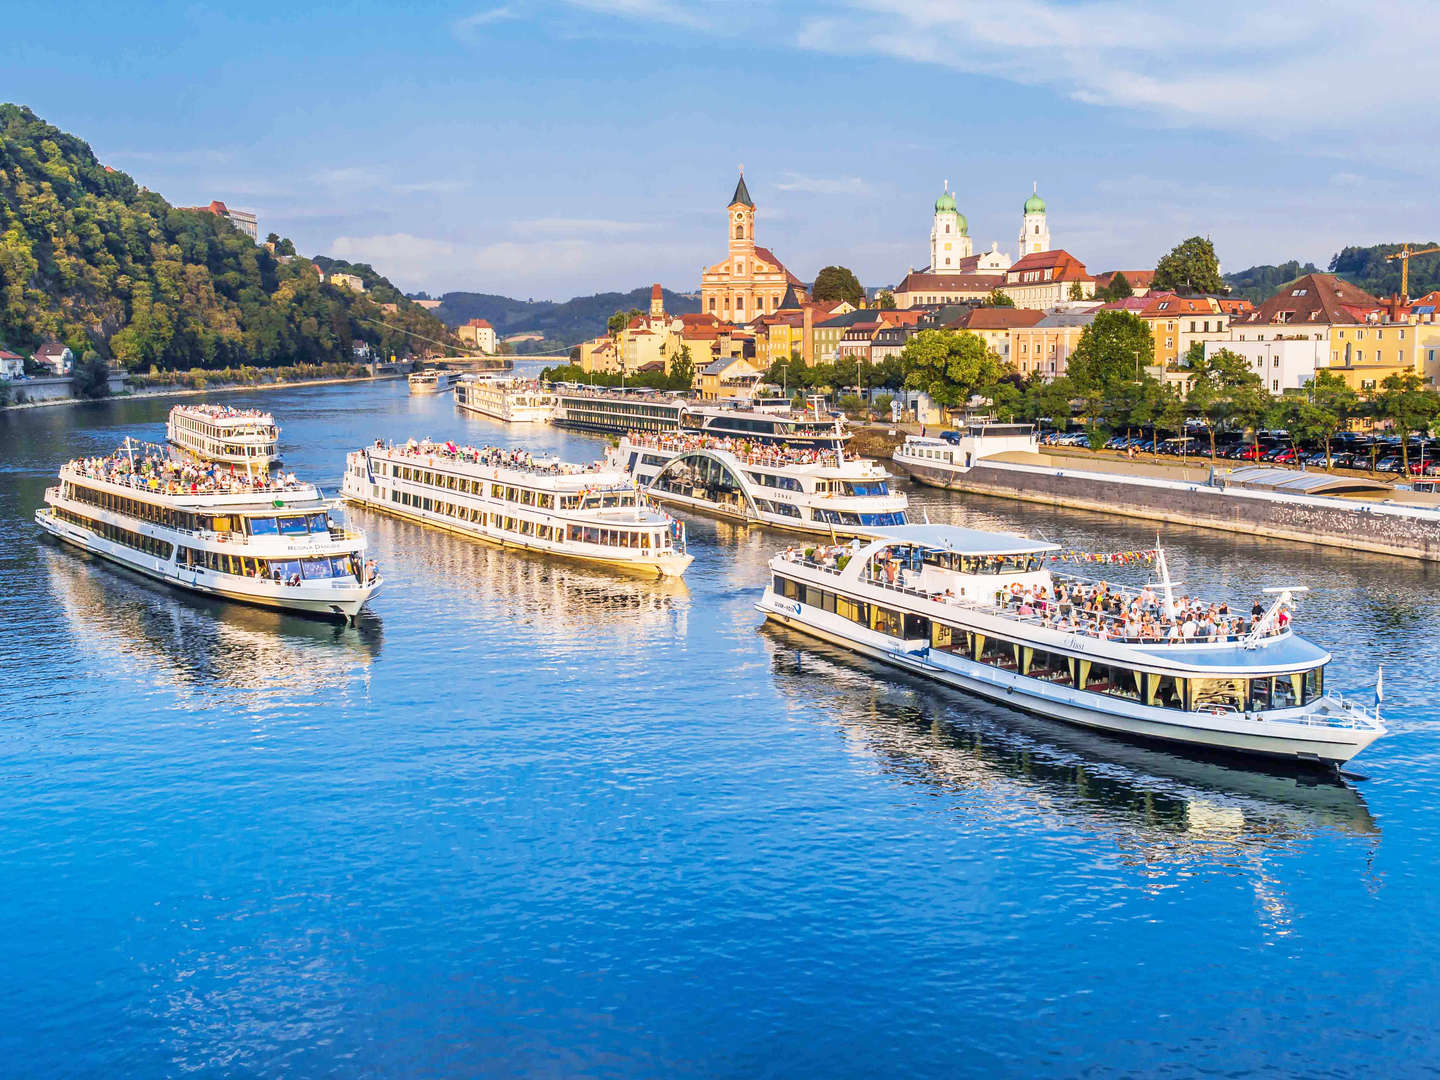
{"x":508,"y":497}
{"x":798,"y":489}
{"x":270,"y":542}
{"x":982,"y":612}
{"x":433,"y":381}
{"x":505,"y":398}
{"x":245,"y":438}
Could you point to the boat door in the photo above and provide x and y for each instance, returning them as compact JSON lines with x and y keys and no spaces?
{"x":634,"y":457}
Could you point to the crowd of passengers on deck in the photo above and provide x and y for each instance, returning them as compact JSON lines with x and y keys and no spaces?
{"x":225,"y":412}
{"x":1104,"y":611}
{"x":752,"y":453}
{"x":165,"y":475}
{"x":494,"y":456}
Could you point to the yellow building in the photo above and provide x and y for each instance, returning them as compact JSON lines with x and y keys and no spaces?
{"x":1044,"y":349}
{"x":728,"y":377}
{"x":599,"y":356}
{"x":750,"y":280}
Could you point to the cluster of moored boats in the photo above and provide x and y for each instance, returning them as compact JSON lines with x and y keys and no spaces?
{"x":979,"y":611}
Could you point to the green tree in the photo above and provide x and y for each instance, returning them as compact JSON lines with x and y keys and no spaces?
{"x":1327,"y":409}
{"x":273,"y":239}
{"x":1053,"y":400}
{"x":1190,"y":267}
{"x":1077,"y":291}
{"x":996,"y":298}
{"x":620,"y":320}
{"x":1214,"y":383}
{"x":91,"y":376}
{"x":682,"y":370}
{"x":951,"y":367}
{"x":837,"y":283}
{"x":1115,"y":348}
{"x":1118,"y":289}
{"x":885,"y":300}
{"x":1405,"y":401}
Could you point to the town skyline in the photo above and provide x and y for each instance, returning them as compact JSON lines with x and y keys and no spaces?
{"x":522,"y":150}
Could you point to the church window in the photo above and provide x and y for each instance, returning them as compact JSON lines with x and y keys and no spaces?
{"x":947,"y":228}
{"x":775,"y":302}
{"x":739,"y":303}
{"x":712,"y":303}
{"x":739,"y":232}
{"x":1037,"y":230}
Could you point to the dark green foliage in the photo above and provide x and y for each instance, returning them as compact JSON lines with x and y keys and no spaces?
{"x":1259,"y":283}
{"x":838,"y":283}
{"x":1368,"y":268}
{"x":996,"y":298}
{"x":1191,"y":267}
{"x":1118,"y":289}
{"x":89,"y":258}
{"x":678,"y":379}
{"x":563,"y":324}
{"x":91,"y":377}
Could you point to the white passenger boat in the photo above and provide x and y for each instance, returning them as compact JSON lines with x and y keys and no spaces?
{"x":433,"y":381}
{"x":982,"y":612}
{"x":505,"y":398}
{"x":797,"y":429}
{"x":270,"y":542}
{"x":802,"y":490}
{"x":942,"y":462}
{"x":510,"y":498}
{"x":245,"y":438}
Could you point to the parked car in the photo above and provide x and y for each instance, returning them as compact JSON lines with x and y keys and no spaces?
{"x":1249,"y":452}
{"x":950,"y":435}
{"x":1390,"y":463}
{"x":1287,"y":455}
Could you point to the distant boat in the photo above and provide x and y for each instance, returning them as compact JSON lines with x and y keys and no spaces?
{"x":504,"y":398}
{"x":433,"y":381}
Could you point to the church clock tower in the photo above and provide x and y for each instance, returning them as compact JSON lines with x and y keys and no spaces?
{"x":1034,"y":232}
{"x":949,"y":236}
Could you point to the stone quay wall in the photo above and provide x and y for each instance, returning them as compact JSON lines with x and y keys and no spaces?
{"x":1380,"y":528}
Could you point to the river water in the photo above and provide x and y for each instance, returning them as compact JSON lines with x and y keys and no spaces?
{"x":527,"y":819}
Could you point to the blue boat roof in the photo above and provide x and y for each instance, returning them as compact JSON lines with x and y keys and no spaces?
{"x":1289,"y":652}
{"x":962,"y":540}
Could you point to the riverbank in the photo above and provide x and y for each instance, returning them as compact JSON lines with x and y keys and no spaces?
{"x":219,"y":388}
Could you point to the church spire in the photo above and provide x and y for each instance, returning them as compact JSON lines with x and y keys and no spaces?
{"x":742,"y":193}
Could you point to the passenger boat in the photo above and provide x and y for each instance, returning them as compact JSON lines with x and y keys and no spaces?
{"x":510,"y":498}
{"x":432,"y":381}
{"x":942,"y":462}
{"x":619,"y":412}
{"x":785,"y":429}
{"x":616,"y":411}
{"x":982,"y":612}
{"x":802,"y":490}
{"x":247,"y":438}
{"x":270,"y":542}
{"x":505,"y":398}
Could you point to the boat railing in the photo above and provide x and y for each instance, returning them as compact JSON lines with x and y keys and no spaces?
{"x":1045,"y":612}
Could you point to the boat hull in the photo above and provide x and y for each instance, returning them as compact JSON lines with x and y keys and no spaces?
{"x":305,"y":599}
{"x":671,"y":565}
{"x":1271,"y":739}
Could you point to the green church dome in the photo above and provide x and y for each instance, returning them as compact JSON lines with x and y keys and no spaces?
{"x":962,"y":226}
{"x":945,"y":202}
{"x":1034,"y":205}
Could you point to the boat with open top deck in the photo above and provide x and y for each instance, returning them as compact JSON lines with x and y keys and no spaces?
{"x":799,"y":489}
{"x":269,"y":541}
{"x":245,"y":438}
{"x":506,"y":398}
{"x":509,"y":497}
{"x":984,"y":612}
{"x":433,"y":381}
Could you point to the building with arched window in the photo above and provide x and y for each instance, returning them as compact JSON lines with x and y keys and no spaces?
{"x":750,"y":280}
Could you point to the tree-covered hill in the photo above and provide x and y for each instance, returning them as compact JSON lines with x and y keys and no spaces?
{"x":92,"y":259}
{"x":564,"y":323}
{"x":1362,"y":266}
{"x":1259,"y":283}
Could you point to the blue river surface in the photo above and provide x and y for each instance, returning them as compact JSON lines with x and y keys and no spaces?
{"x":528,"y":819}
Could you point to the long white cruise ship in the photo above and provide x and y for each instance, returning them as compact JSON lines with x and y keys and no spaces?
{"x":981,"y":611}
{"x":802,"y":490}
{"x":505,"y":398}
{"x":270,"y":542}
{"x":509,"y":497}
{"x":245,"y":438}
{"x":433,"y":381}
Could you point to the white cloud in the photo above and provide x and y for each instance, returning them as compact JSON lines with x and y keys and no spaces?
{"x":467,"y":29}
{"x":666,"y":11}
{"x":823,"y":185}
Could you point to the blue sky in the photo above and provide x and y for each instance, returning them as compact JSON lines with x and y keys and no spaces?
{"x":559,"y":147}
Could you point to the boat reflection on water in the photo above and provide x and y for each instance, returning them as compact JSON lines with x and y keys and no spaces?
{"x":124,"y":623}
{"x":1167,"y":813}
{"x":564,"y":600}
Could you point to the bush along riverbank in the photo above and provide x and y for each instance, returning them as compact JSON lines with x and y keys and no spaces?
{"x":245,"y":375}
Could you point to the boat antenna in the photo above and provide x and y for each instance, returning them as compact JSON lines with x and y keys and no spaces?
{"x":1379,"y":688}
{"x":1165,"y":582}
{"x":130,"y":450}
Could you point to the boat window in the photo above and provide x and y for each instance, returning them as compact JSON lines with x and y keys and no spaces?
{"x":865,"y":488}
{"x":222,"y":524}
{"x":290,"y":526}
{"x":318,"y":524}
{"x":263,"y":526}
{"x":1314,"y":685}
{"x":316,"y":568}
{"x":284,"y":569}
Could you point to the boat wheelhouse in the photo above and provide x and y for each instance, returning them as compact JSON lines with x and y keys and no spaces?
{"x":508,"y":497}
{"x":802,"y":490}
{"x":245,"y":438}
{"x":505,"y":398}
{"x":983,"y":612}
{"x":808,"y":429}
{"x":616,"y":411}
{"x":433,"y":381}
{"x":267,"y":542}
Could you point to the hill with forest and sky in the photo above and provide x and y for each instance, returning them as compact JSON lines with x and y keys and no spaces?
{"x":90,"y":258}
{"x":1364,"y":266}
{"x":562,"y":322}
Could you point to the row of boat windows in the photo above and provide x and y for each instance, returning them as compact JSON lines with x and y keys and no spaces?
{"x":316,"y":567}
{"x":522,"y":496}
{"x":290,"y":525}
{"x":1152,"y":688}
{"x":850,"y":517}
{"x":115,"y":534}
{"x":622,"y":538}
{"x":234,"y":433}
{"x":936,"y":454}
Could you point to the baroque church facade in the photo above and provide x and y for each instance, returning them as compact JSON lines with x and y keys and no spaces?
{"x":750,"y":281}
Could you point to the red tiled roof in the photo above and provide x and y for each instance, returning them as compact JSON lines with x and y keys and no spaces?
{"x":1002,"y":318}
{"x":769,"y":256}
{"x":1316,"y":299}
{"x":9,"y":356}
{"x":656,"y":293}
{"x":1139,"y":279}
{"x":1065,"y":265}
{"x":1176,"y":305}
{"x":480,"y":324}
{"x":942,"y":283}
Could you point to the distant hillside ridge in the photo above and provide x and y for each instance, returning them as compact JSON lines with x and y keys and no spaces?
{"x":1366,"y":267}
{"x":90,"y":258}
{"x":564,"y":323}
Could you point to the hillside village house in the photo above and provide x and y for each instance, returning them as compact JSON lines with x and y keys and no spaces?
{"x":12,"y":366}
{"x":347,"y":281}
{"x":480,"y":333}
{"x":58,"y":358}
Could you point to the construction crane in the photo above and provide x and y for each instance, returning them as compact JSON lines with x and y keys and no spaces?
{"x":1404,"y":256}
